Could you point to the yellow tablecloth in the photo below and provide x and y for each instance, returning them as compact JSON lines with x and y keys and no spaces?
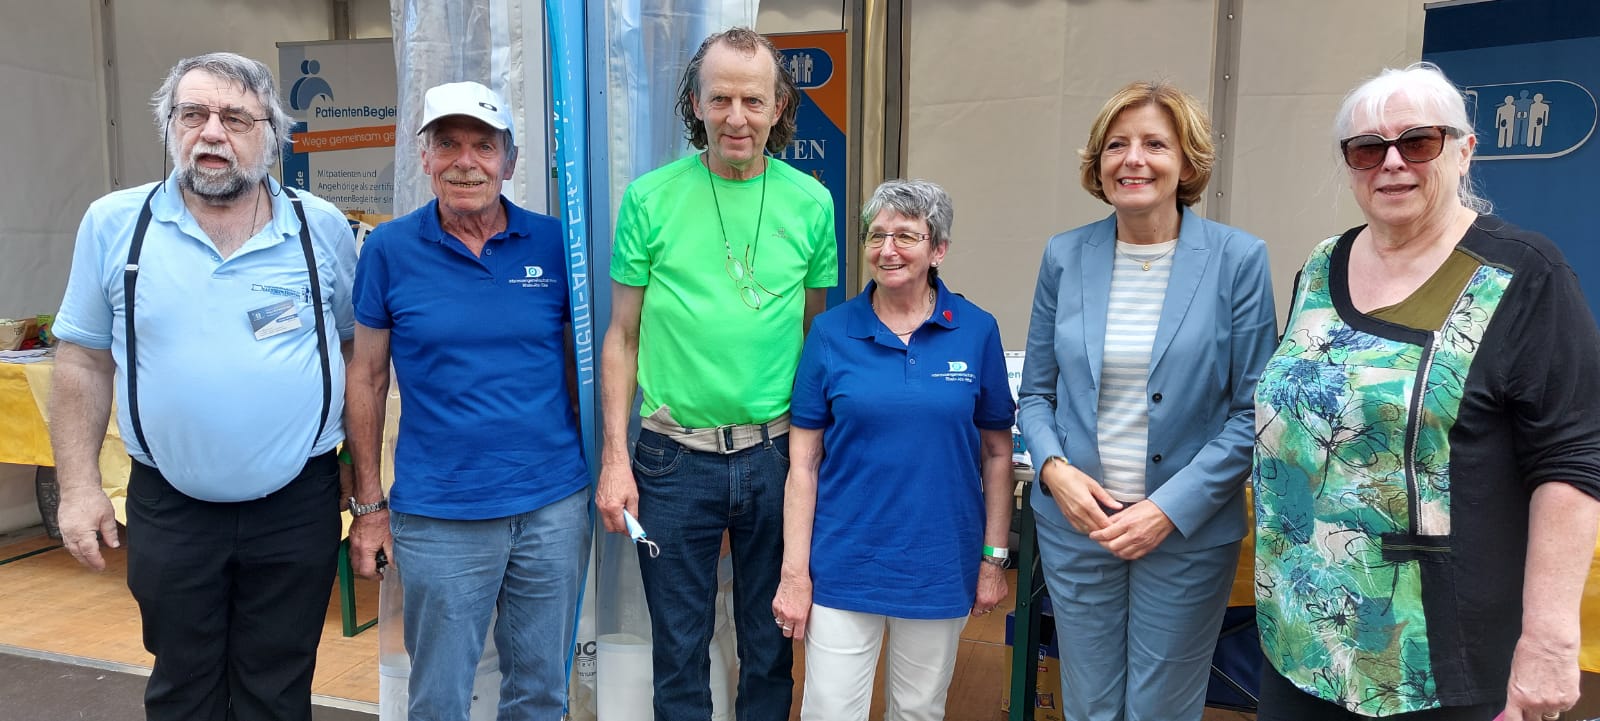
{"x":25,"y":432}
{"x":1589,"y":652}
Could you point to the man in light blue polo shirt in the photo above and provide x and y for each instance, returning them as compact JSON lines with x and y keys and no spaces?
{"x":489,"y":511}
{"x":215,"y":304}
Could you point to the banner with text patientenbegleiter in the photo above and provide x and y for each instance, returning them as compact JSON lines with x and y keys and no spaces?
{"x":342,"y":96}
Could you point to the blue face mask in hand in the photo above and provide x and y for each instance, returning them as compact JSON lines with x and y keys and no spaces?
{"x":636,"y":532}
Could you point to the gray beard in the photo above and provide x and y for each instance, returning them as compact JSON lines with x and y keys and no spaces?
{"x":219,"y":189}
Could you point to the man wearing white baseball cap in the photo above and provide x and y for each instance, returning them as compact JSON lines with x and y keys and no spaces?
{"x":468,"y":297}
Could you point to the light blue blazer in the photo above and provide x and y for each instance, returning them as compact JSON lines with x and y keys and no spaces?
{"x":1218,"y":326}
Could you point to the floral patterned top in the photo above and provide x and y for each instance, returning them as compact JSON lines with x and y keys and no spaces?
{"x":1393,"y":468}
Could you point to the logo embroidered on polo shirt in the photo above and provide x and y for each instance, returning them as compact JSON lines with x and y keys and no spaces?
{"x":957,"y":373}
{"x":533,"y":277}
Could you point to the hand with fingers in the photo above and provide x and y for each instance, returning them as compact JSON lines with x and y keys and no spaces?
{"x":1544,"y":679}
{"x":86,"y":518}
{"x":1134,"y":532}
{"x":616,"y":491}
{"x":992,"y":589}
{"x":1082,"y":499}
{"x":791,"y":607}
{"x":370,"y":544}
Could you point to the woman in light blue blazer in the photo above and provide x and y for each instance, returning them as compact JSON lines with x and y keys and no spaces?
{"x":1149,"y":330}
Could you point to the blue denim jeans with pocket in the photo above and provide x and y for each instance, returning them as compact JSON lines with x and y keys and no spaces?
{"x":456,"y":574}
{"x":687,"y":499}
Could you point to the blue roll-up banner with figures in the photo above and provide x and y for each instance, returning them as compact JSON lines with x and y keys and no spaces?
{"x":817,"y":62}
{"x":1530,"y":70}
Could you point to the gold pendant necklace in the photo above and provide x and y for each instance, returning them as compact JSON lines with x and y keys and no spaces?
{"x":1145,"y":263}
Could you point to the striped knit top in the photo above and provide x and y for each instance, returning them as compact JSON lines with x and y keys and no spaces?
{"x":1138,"y":287}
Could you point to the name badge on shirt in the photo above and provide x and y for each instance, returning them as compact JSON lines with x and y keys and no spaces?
{"x":271,"y":320}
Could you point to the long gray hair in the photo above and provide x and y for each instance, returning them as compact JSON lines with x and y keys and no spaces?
{"x":250,"y":75}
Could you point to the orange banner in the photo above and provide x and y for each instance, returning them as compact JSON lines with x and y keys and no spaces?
{"x":371,"y":136}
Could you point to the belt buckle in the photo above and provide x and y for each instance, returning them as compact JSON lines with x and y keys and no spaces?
{"x":725,"y":437}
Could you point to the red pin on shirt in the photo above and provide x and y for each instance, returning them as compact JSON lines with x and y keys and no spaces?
{"x":948,"y":316}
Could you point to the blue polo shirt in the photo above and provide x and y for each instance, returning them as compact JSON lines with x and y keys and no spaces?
{"x":487,"y":429}
{"x":900,"y":510}
{"x":229,"y":417}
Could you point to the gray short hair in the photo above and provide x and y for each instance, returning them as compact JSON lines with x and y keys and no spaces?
{"x":1432,"y":94}
{"x":250,"y":75}
{"x":919,"y":199}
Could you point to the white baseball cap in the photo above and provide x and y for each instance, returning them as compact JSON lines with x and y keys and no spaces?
{"x":470,"y":99}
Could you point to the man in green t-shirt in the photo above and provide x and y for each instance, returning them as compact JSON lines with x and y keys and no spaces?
{"x":720,"y":262}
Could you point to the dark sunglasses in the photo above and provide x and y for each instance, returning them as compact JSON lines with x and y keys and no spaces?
{"x":1417,"y":145}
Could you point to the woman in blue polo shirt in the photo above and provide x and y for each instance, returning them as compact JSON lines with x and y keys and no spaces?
{"x":898,"y":504}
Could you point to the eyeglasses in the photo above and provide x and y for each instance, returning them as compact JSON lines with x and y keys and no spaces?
{"x":194,"y":115}
{"x":744,"y":279}
{"x":1417,"y":145}
{"x":902,"y":239}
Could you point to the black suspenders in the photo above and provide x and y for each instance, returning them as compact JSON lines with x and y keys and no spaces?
{"x":130,"y":279}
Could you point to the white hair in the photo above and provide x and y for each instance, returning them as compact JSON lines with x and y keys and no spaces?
{"x":1426,"y":88}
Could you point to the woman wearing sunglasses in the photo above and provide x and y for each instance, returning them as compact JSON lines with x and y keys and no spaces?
{"x":1148,"y":330}
{"x":898,"y":504}
{"x":1428,"y":456}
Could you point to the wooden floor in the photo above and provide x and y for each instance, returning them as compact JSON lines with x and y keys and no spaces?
{"x":50,"y":603}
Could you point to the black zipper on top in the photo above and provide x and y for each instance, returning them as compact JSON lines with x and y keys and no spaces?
{"x":1414,"y":428}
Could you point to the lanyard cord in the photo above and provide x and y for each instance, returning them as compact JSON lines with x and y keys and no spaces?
{"x":760,"y":212}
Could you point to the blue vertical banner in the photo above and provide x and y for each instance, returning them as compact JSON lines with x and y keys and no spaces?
{"x":572,"y":177}
{"x":564,"y":20}
{"x":1530,"y":70}
{"x":816,"y":62}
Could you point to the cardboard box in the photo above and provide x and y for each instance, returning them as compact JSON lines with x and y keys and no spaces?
{"x":1047,"y":692}
{"x":14,"y":332}
{"x":1047,"y":684}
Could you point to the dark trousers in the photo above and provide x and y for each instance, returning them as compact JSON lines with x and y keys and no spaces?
{"x":233,"y":595}
{"x":1281,"y":701}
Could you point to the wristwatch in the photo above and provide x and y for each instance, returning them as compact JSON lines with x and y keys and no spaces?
{"x":358,"y":510}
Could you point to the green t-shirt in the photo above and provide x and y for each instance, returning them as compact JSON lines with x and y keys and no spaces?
{"x":703,"y":351}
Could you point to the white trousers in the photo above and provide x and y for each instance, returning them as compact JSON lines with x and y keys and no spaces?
{"x":842,"y":658}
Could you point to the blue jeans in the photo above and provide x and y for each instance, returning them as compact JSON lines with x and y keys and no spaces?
{"x":456,"y":574}
{"x":686,"y":500}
